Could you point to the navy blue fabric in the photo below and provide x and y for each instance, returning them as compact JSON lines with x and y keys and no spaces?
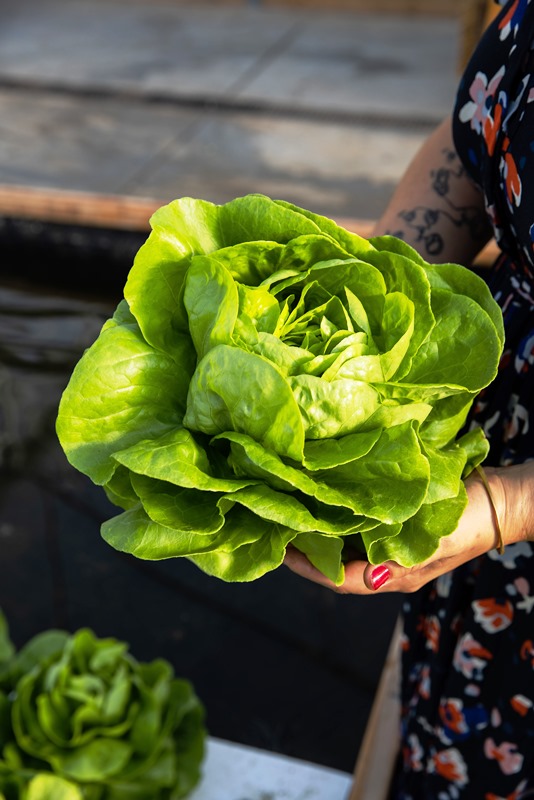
{"x":468,"y":642}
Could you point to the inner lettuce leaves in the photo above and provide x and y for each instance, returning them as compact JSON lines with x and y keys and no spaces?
{"x":271,"y":378}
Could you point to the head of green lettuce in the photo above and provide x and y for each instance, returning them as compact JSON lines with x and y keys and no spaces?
{"x":272,"y":378}
{"x":82,"y":719}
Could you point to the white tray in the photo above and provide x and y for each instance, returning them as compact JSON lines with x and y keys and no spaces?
{"x":238,"y":772}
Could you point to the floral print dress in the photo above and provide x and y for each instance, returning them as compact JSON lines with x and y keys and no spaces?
{"x":468,"y":641}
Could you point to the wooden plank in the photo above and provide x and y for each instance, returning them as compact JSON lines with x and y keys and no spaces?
{"x":124,"y":212}
{"x":475,"y":17}
{"x":77,"y":208}
{"x":442,"y":8}
{"x":380,"y":745}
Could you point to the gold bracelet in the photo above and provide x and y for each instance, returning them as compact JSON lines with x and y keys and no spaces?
{"x":500,"y":542}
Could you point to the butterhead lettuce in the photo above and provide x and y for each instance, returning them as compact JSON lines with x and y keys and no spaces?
{"x":82,"y":719}
{"x":271,"y":378}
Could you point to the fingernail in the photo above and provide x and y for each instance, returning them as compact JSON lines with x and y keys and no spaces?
{"x":379,"y":576}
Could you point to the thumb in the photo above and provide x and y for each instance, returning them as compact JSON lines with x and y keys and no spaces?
{"x":375,"y":576}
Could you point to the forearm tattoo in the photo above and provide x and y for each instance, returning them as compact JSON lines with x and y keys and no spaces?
{"x":428,"y":227}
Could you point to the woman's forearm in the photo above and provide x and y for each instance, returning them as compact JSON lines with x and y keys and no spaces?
{"x":512,"y":488}
{"x":439,"y":211}
{"x":436,"y":208}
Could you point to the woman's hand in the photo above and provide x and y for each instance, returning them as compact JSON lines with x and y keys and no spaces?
{"x":512,"y":490}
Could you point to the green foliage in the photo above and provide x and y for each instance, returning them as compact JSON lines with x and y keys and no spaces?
{"x":81,"y":719}
{"x":272,"y":378}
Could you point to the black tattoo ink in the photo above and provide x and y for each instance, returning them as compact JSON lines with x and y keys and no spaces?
{"x":399,"y":234}
{"x":434,"y":244}
{"x":423,"y":221}
{"x":441,"y":182}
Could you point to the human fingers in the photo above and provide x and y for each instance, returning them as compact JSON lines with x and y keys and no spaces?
{"x":474,"y":536}
{"x":354,"y":573}
{"x":298,"y":563}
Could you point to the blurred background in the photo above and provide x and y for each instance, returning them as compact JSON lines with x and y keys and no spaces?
{"x":320,"y":103}
{"x":109,"y":108}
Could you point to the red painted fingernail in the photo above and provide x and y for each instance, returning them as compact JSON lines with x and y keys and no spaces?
{"x":379,"y":576}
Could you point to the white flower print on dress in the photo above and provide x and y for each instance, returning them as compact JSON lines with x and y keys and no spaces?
{"x":512,"y":553}
{"x":470,"y":658}
{"x":508,"y":758}
{"x":481,"y":91}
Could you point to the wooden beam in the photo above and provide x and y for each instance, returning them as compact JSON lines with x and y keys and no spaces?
{"x":77,"y":208}
{"x":475,"y":17}
{"x":443,"y":8}
{"x":381,"y":741}
{"x":123,"y":212}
